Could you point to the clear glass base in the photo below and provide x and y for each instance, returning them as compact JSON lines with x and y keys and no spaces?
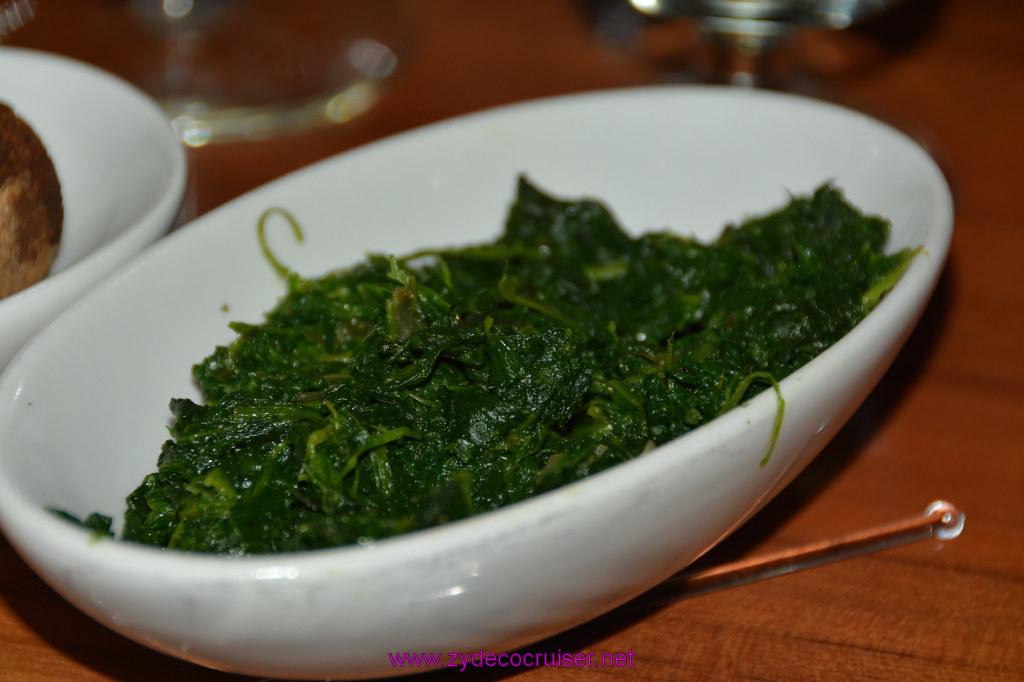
{"x":232,"y":70}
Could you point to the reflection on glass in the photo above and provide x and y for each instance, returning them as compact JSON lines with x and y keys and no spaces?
{"x":14,"y":14}
{"x":247,"y":69}
{"x":764,"y":16}
{"x":746,"y":36}
{"x":230,"y":70}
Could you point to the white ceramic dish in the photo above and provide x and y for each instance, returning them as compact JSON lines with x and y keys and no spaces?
{"x":83,"y":409}
{"x":121,"y":170}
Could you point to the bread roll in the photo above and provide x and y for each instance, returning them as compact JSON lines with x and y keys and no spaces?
{"x":31,"y":208}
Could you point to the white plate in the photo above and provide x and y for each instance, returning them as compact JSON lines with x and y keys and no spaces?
{"x":121,"y":170}
{"x":83,"y":411}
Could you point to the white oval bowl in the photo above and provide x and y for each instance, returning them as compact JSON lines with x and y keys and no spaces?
{"x":83,"y":410}
{"x":121,"y":171}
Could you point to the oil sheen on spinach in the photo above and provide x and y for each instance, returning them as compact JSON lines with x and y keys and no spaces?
{"x":408,"y":392}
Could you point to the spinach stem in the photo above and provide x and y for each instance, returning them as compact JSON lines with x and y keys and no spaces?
{"x":261,"y":232}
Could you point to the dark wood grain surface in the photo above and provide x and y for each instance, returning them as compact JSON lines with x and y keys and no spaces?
{"x":944,"y":423}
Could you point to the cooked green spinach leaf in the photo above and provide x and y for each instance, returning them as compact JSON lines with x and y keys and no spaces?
{"x":406,"y":392}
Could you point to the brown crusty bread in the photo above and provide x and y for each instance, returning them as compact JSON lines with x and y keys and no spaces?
{"x":31,"y":208}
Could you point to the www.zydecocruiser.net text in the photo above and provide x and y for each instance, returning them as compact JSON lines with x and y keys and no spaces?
{"x":517,"y":659}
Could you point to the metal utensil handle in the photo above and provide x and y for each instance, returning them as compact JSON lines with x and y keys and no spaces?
{"x":941,"y":520}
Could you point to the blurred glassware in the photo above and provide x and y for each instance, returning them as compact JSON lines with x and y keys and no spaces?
{"x":229,"y":70}
{"x":748,"y":37}
{"x":738,"y":42}
{"x":764,"y":17}
{"x":14,"y":14}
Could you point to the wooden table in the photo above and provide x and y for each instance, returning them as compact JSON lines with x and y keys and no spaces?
{"x":944,"y":423}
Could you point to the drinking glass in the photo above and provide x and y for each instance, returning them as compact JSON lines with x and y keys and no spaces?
{"x":748,"y":42}
{"x":228,"y":70}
